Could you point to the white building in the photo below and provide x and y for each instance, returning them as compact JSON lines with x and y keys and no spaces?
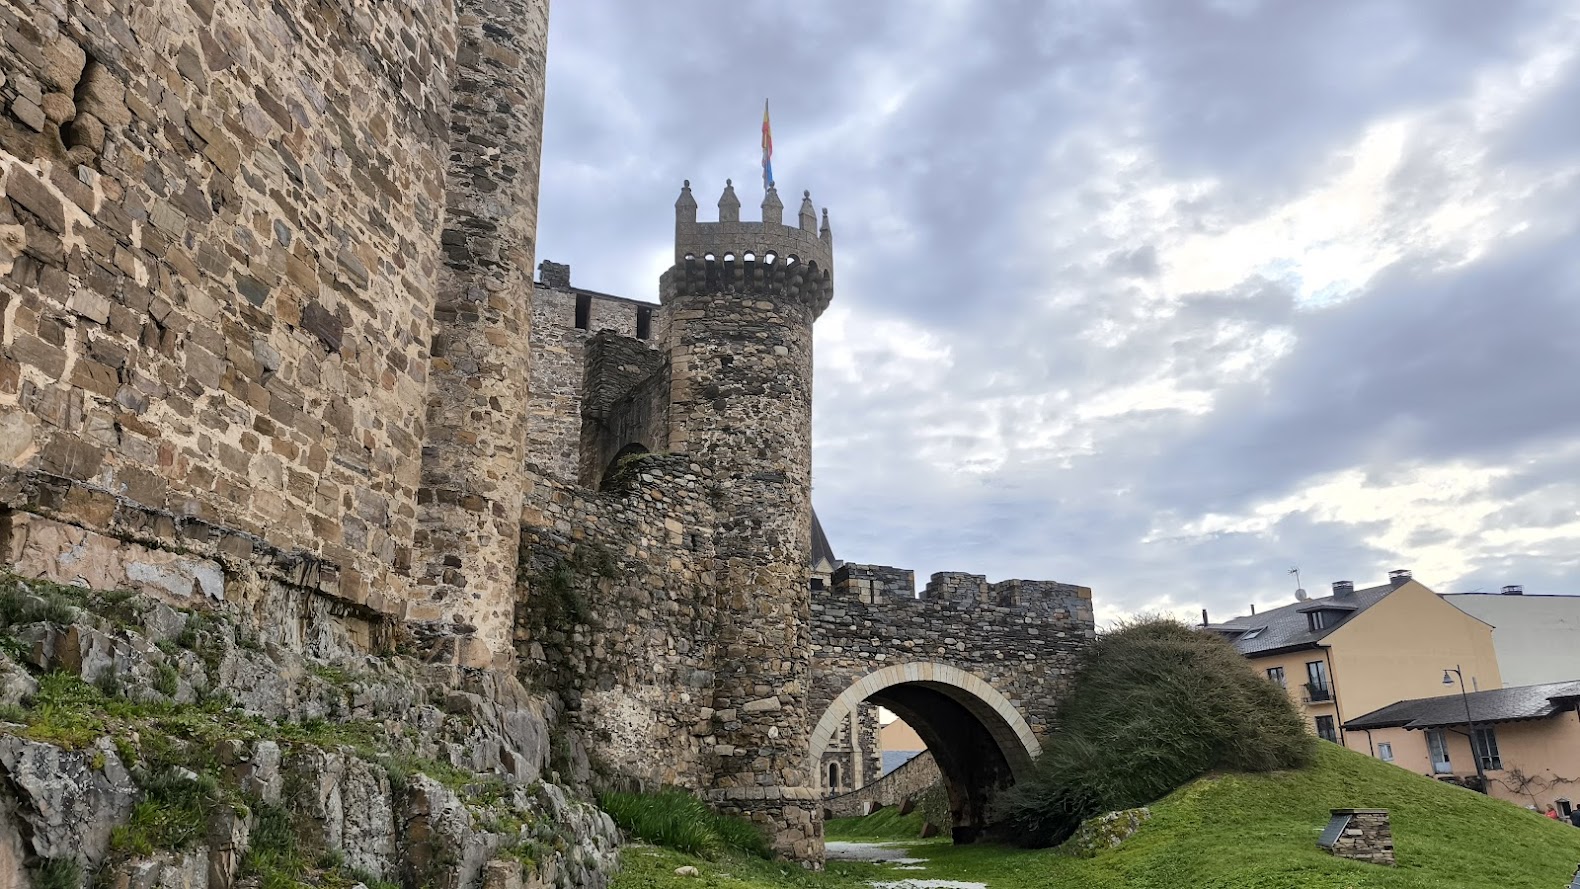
{"x":1537,"y":638}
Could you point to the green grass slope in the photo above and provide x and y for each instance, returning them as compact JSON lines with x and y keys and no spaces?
{"x":885,"y":824}
{"x":1260,"y":832}
{"x":1226,"y":832}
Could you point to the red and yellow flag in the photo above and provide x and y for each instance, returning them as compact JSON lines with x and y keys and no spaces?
{"x":768,"y":150}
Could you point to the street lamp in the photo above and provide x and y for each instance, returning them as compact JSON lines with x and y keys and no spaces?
{"x":1481,"y":775}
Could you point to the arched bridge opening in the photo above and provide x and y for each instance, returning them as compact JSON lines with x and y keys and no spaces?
{"x":978,"y":738}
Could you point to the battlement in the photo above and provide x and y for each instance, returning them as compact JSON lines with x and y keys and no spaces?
{"x":875,"y":584}
{"x":767,"y":253}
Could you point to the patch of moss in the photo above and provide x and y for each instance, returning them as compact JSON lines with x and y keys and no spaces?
{"x":174,"y":813}
{"x":338,"y":676}
{"x":560,"y":591}
{"x":166,"y":680}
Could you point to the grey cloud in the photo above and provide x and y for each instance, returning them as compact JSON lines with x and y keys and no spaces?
{"x":1470,"y":365}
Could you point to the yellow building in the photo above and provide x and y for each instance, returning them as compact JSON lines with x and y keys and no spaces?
{"x":1356,"y":651}
{"x":897,"y":743}
{"x":1527,"y":738}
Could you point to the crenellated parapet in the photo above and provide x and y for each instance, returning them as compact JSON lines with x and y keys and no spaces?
{"x":957,"y":591}
{"x":766,"y":257}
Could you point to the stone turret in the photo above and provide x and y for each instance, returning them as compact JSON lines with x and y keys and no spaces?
{"x":469,"y":505}
{"x":741,"y":300}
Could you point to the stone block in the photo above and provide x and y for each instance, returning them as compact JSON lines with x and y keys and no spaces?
{"x":37,"y":197}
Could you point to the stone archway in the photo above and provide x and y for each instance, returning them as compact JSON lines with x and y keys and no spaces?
{"x":979,"y":739}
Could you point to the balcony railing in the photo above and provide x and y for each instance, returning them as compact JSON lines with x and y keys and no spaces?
{"x":1318,"y":694}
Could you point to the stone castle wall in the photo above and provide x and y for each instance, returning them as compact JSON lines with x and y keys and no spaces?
{"x":854,"y":751}
{"x":475,"y":449}
{"x":617,"y":612}
{"x":267,"y":309}
{"x":626,"y":407}
{"x":559,"y":365}
{"x":1021,"y":637}
{"x":908,"y":782}
{"x":219,"y":245}
{"x":740,"y":402}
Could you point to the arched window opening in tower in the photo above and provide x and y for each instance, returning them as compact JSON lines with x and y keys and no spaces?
{"x":612,"y":471}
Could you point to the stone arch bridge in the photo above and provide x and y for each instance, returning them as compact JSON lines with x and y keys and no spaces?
{"x":975,"y":668}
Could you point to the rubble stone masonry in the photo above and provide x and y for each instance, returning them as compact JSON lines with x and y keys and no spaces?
{"x":219,"y":239}
{"x":473,"y":459}
{"x":620,"y":618}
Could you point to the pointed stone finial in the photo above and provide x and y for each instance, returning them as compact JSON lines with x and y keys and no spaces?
{"x":808,"y":213}
{"x":773,"y":208}
{"x":685,"y":205}
{"x":729,"y":204}
{"x":827,"y":234}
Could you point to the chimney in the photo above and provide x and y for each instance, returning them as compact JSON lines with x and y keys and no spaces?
{"x":1342,"y":589}
{"x":1253,"y":609}
{"x":1204,"y":617}
{"x":1398,"y":578}
{"x":1514,"y":589}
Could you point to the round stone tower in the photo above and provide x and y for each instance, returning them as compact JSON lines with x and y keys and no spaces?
{"x":739,"y":306}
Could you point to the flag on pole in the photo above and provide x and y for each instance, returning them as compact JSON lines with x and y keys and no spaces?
{"x":768,"y":151}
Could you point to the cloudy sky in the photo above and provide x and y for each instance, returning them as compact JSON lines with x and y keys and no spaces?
{"x":1161,"y":297}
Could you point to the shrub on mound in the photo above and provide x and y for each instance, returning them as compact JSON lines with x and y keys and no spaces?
{"x":1153,"y":705}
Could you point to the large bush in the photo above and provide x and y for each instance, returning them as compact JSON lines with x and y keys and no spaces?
{"x":1153,"y":705}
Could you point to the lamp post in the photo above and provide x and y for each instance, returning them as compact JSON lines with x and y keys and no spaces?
{"x":1481,"y":775}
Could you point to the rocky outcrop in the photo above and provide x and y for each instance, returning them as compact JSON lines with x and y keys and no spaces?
{"x":1105,"y":831}
{"x":67,"y":801}
{"x":147,"y":746}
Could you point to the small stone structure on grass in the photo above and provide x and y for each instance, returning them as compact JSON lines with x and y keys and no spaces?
{"x":1360,"y":835}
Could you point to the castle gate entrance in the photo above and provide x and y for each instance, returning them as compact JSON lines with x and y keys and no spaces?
{"x":977,"y":669}
{"x":979,"y":740}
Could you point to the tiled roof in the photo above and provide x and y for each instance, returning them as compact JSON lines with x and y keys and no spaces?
{"x":820,"y":548}
{"x":1287,"y":627}
{"x":1497,"y":705}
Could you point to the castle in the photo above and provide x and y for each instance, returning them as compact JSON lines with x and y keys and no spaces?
{"x":272,"y":337}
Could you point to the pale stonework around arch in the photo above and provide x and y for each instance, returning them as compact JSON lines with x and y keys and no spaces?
{"x":997,"y":714}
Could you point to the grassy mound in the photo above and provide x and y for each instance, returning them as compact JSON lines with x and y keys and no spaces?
{"x":1236,"y":831}
{"x":677,"y":820}
{"x":1153,"y":705}
{"x":1260,"y":831}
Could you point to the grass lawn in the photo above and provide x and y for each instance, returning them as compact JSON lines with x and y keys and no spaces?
{"x":1231,"y":832}
{"x":884,"y":824}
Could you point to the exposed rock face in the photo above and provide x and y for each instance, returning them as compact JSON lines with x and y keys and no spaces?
{"x":1105,"y":831}
{"x":68,"y":801}
{"x":384,"y":767}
